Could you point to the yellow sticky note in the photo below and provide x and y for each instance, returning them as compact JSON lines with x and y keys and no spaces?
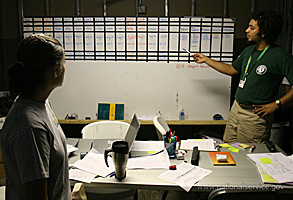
{"x":151,"y":152}
{"x":268,"y":179}
{"x":244,"y":146}
{"x":225,"y":145}
{"x":198,"y":139}
{"x":266,"y":160}
{"x":233,"y":149}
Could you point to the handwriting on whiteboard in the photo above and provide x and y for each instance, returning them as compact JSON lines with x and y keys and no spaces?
{"x":180,"y":66}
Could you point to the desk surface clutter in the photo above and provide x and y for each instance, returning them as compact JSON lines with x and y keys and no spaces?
{"x":207,"y":176}
{"x":150,"y":122}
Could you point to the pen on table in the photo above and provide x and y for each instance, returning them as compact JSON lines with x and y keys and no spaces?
{"x":252,"y":148}
{"x":76,"y":145}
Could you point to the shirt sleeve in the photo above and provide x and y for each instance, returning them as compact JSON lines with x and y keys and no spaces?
{"x":31,"y":150}
{"x":238,"y":62}
{"x":288,"y":69}
{"x":285,"y":81}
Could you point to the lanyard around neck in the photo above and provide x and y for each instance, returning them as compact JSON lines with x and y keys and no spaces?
{"x":259,"y":57}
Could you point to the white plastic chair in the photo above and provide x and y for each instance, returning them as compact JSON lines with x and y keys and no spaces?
{"x":107,"y":130}
{"x":78,"y":191}
{"x":161,"y":126}
{"x":2,"y":192}
{"x":161,"y":129}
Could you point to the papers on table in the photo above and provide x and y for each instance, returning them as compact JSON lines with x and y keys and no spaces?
{"x":79,"y":175}
{"x":265,"y":177}
{"x":148,"y":146}
{"x":202,"y":144}
{"x":151,"y":159}
{"x":160,"y":160}
{"x":278,"y":166}
{"x":92,"y":163}
{"x":217,"y":140}
{"x":185,"y":176}
{"x":71,"y":148}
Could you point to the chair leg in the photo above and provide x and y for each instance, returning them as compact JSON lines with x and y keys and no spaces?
{"x":165,"y":195}
{"x":135,"y":197}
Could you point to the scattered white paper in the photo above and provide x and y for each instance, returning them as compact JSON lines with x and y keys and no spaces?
{"x":148,"y":146}
{"x":265,"y":177}
{"x":79,"y":175}
{"x":160,"y":160}
{"x":202,"y":144}
{"x":71,"y":148}
{"x":185,"y":176}
{"x":217,"y":140}
{"x":94,"y":163}
{"x":277,"y":165}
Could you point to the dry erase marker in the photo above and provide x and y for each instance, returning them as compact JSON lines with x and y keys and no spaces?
{"x":187,"y":51}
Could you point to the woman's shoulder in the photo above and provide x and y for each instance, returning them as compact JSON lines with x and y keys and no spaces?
{"x":25,"y":113}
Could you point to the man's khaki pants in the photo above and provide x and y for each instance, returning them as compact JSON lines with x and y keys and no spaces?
{"x":246,"y":127}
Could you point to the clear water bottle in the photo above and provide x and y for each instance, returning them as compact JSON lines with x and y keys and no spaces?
{"x":181,"y":114}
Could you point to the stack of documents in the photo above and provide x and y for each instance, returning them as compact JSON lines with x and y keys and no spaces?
{"x":202,"y":144}
{"x":148,"y":146}
{"x":153,"y":155}
{"x":274,"y":167}
{"x":155,"y":161}
{"x":92,"y":165}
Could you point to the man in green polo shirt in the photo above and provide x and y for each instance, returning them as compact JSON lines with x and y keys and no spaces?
{"x":262,"y":67}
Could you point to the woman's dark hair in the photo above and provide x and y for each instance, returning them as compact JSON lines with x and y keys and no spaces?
{"x":35,"y":54}
{"x":270,"y":24}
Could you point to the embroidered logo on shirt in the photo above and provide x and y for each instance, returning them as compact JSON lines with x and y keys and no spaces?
{"x":261,"y":70}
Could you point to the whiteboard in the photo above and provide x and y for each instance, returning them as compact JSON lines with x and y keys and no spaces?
{"x":140,"y":61}
{"x":146,"y":88}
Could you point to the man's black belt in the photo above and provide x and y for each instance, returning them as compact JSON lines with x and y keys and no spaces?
{"x":244,"y":106}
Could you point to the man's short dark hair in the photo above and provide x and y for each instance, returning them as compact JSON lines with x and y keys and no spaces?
{"x":270,"y":24}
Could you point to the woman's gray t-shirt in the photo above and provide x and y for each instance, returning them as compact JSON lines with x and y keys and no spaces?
{"x":34,"y":147}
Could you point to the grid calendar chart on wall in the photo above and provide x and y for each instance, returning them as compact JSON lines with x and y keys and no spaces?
{"x":141,"y":39}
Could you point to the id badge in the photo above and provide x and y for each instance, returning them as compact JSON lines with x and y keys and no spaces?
{"x":242,"y":82}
